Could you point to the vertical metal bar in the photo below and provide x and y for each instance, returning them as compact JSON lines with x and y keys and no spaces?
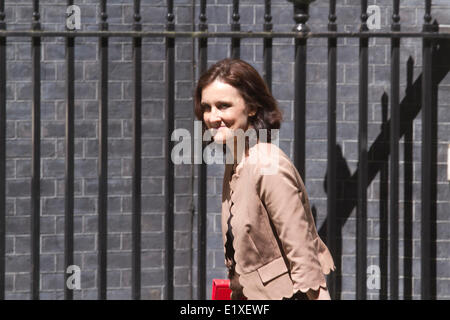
{"x":136,"y":180}
{"x":36,"y":155}
{"x":169,"y":169}
{"x":202,"y":213}
{"x":361,"y":212}
{"x":383,"y":203}
{"x":2,"y":150}
{"x":69,"y":166}
{"x":235,"y":26}
{"x":394,"y":150}
{"x":192,"y":207}
{"x":267,"y":71}
{"x":331,"y":164}
{"x":408,"y":173}
{"x":433,"y":176}
{"x":427,"y":164}
{"x":103,"y":157}
{"x":300,"y":17}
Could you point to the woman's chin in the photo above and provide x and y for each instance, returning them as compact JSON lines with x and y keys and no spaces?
{"x":221,"y":138}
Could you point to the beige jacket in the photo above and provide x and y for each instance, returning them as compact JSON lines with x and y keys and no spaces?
{"x":277,"y":248}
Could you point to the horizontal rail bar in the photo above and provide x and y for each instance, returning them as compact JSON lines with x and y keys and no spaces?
{"x":230,"y":34}
{"x":444,"y":28}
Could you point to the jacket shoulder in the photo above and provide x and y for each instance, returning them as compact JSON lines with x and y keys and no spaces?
{"x":268,"y":159}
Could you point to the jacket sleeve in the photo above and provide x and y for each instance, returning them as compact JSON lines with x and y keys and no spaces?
{"x":286,"y":202}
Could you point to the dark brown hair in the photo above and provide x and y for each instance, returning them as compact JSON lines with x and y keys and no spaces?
{"x":250,"y":85}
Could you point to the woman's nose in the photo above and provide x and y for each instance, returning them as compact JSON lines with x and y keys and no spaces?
{"x":215,"y":115}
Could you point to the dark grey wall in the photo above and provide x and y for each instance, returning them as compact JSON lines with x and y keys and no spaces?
{"x":18,"y":16}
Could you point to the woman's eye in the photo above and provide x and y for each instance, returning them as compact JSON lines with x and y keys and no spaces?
{"x":223,"y":106}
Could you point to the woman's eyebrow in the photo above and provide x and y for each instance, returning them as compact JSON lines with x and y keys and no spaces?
{"x":223,"y":102}
{"x":216,"y":102}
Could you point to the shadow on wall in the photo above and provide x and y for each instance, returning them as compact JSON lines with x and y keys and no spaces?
{"x":378,"y":155}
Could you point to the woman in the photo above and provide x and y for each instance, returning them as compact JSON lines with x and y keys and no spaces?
{"x":272,"y":249}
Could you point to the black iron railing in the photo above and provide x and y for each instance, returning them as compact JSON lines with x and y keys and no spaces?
{"x":422,"y":90}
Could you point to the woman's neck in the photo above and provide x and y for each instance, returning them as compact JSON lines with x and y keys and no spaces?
{"x":240,"y":149}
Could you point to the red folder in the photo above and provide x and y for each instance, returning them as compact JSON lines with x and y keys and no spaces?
{"x":221,"y":289}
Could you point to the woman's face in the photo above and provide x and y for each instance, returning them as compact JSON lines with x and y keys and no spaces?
{"x":224,"y":110}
